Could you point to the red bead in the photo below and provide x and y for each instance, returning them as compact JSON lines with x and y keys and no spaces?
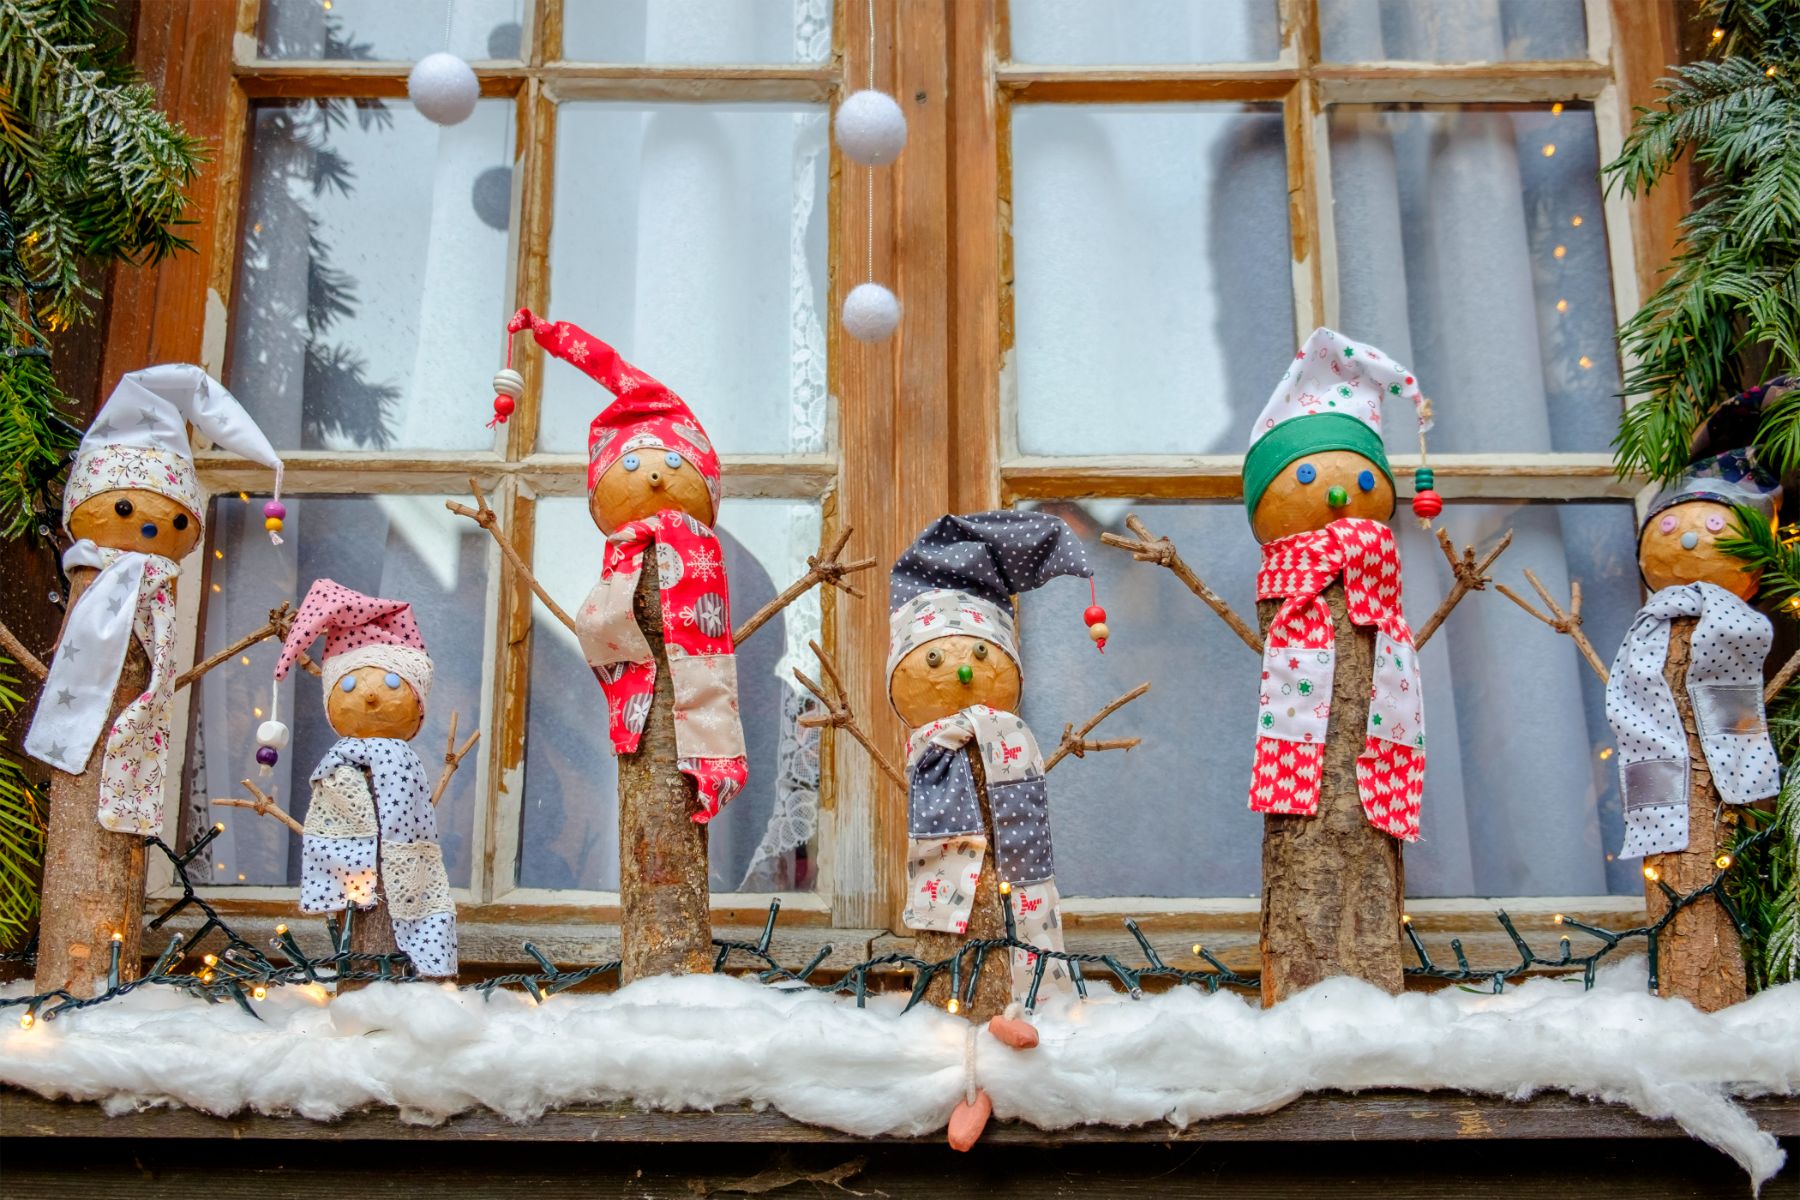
{"x":503,"y":406}
{"x":1094,"y":615}
{"x":1427,"y":504}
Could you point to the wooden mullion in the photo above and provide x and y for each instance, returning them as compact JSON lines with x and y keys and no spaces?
{"x":976,"y":232}
{"x":545,"y":30}
{"x":531,"y":262}
{"x":382,"y":81}
{"x":606,"y":81}
{"x":1644,"y":39}
{"x":1499,"y":82}
{"x":1303,"y":120}
{"x":510,"y":669}
{"x":1143,"y":85}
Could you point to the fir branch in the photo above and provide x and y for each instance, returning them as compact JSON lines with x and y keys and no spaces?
{"x":22,"y":812}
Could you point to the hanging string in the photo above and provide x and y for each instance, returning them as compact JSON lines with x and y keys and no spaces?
{"x":869,"y":171}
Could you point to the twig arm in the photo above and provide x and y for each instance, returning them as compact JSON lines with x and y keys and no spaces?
{"x":1471,"y":576}
{"x":1782,"y":678}
{"x":1563,"y":621}
{"x":280,"y":621}
{"x":262,"y":806}
{"x":1076,"y":741}
{"x":484,"y":516}
{"x":825,"y":569}
{"x":452,"y":759}
{"x":15,"y":650}
{"x":837,"y":714}
{"x":1160,"y":550}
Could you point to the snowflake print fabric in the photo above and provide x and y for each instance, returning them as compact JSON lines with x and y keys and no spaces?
{"x":133,"y":596}
{"x":1300,"y":666}
{"x":947,"y":842}
{"x":372,"y":816}
{"x":696,"y":618}
{"x":1724,"y":682}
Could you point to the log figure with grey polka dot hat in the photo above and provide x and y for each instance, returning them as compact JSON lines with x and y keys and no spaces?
{"x":132,"y":508}
{"x":1685,"y":695}
{"x":978,"y":821}
{"x":659,"y":640}
{"x":1339,"y":740}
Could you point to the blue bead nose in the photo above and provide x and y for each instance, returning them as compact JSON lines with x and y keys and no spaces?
{"x":1689,"y":540}
{"x":149,"y":529}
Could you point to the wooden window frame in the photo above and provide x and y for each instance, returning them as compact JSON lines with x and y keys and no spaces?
{"x":922,"y":423}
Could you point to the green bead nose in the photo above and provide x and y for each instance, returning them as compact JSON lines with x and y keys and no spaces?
{"x":1337,"y":497}
{"x":966,"y":673}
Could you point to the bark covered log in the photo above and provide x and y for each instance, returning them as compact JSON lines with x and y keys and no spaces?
{"x":1333,"y":883}
{"x":93,"y":878}
{"x":993,"y":991}
{"x":371,"y":929}
{"x":1699,"y":957}
{"x":665,"y":923}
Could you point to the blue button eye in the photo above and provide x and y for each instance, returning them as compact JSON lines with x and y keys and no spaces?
{"x":1307,"y":473}
{"x":347,"y":683}
{"x":1366,"y":481}
{"x":391,"y":679}
{"x":630,"y":461}
{"x":673,"y":459}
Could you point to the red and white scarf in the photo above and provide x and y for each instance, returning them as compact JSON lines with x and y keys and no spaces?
{"x":696,"y":618}
{"x":1300,"y":660}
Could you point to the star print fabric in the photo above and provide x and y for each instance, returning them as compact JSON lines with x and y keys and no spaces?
{"x":371,"y":814}
{"x":947,"y":842}
{"x":1730,"y":642}
{"x":696,"y":620}
{"x":1300,"y":665}
{"x":132,"y":596}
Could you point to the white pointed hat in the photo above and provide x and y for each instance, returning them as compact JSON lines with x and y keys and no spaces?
{"x":140,"y":438}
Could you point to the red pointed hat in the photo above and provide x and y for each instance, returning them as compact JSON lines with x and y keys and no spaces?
{"x":360,"y":631}
{"x":646,"y":415}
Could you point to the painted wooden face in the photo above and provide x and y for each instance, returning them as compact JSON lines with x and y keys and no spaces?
{"x":1312,"y":492}
{"x":947,"y":674}
{"x":643,"y":483}
{"x":1680,"y":545}
{"x":377,"y":704}
{"x":133,"y":519}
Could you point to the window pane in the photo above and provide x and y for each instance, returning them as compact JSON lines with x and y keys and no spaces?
{"x":1144,"y":32}
{"x":1471,"y":246}
{"x":698,"y":31}
{"x":1153,"y":295}
{"x":693,"y":238}
{"x":1451,"y":30}
{"x":399,"y":547}
{"x":389,"y":29}
{"x":1517,"y":800}
{"x":763,"y":840}
{"x":371,"y":290}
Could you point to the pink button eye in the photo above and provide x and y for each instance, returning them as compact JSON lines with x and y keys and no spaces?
{"x":1667,"y":524}
{"x":1715,"y":522}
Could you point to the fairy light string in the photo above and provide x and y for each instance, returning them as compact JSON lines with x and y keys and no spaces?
{"x":241,"y":973}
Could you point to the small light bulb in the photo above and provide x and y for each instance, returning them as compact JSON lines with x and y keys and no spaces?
{"x":259,"y":992}
{"x":218,"y":827}
{"x":1196,"y":949}
{"x":1406,"y":918}
{"x":1549,"y":149}
{"x":280,"y":929}
{"x":1606,"y":753}
{"x":210,"y":959}
{"x":1584,"y":362}
{"x":1723,"y":861}
{"x":953,"y":1008}
{"x":1652,"y":874}
{"x":1558,"y":918}
{"x":1556,"y":109}
{"x":1562,"y":306}
{"x":117,"y":936}
{"x":1005,"y":888}
{"x":1771,"y":72}
{"x":27,"y":1021}
{"x":1718,"y":34}
{"x":1559,"y":251}
{"x":1575,"y":220}
{"x":216,"y":588}
{"x":257,"y":712}
{"x":218,"y":554}
{"x":244,"y":660}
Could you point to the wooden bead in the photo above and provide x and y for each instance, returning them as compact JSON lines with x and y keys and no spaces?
{"x":1098,"y":631}
{"x":272,"y":524}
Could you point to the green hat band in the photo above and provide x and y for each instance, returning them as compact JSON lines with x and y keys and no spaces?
{"x":1312,"y":434}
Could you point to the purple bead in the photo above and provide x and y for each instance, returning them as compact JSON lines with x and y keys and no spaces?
{"x":275,"y":508}
{"x":267,"y":755}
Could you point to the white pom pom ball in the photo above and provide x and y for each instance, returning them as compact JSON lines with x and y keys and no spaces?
{"x":870,"y":312}
{"x":508,"y":382}
{"x":871,"y":129}
{"x":272,"y":733}
{"x":443,"y":88}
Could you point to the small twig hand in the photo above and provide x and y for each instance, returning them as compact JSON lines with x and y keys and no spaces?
{"x":1562,"y":620}
{"x":1077,"y":742}
{"x":1471,"y":576}
{"x":820,"y":569}
{"x":263,"y":806}
{"x":1161,"y":551}
{"x":452,"y":758}
{"x":837,"y":714}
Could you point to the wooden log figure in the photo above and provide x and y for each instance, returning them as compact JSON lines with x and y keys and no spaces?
{"x":132,"y":506}
{"x":1685,"y":696}
{"x":660,"y":642}
{"x":370,"y":839}
{"x":980,"y":865}
{"x":1339,"y":762}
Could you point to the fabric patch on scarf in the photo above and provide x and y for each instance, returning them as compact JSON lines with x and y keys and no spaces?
{"x":941,"y":875}
{"x":706,"y":706}
{"x":1296,"y":693}
{"x":1021,"y":809}
{"x":1037,"y":921}
{"x":417,"y":884}
{"x":940,"y":795}
{"x":1395,"y":714}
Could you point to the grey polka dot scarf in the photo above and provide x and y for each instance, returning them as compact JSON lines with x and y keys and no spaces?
{"x":1724,"y":683}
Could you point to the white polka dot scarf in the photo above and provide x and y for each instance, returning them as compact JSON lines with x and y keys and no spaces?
{"x":947,"y":839}
{"x":350,"y":825}
{"x":1724,"y":683}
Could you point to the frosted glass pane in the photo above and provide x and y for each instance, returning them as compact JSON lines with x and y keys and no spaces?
{"x":1153,"y":295}
{"x":697,"y":31}
{"x":371,"y":299}
{"x":569,"y":830}
{"x":1517,"y":800}
{"x":389,"y":29}
{"x":693,"y":238}
{"x":1144,"y":31}
{"x":1471,"y":246}
{"x":401,"y":547}
{"x":1452,"y":30}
